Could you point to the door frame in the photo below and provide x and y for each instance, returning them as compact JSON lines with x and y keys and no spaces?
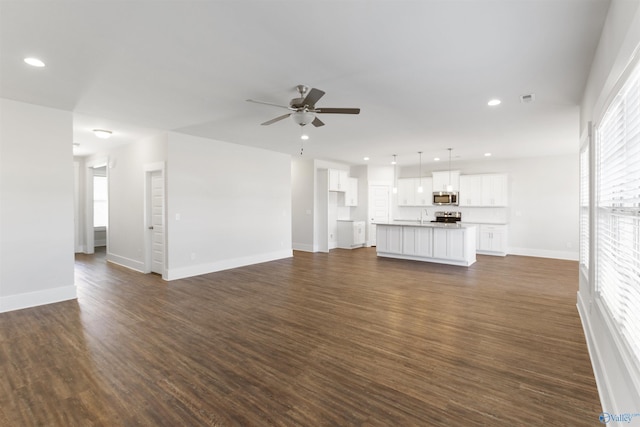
{"x":148,"y":246}
{"x":371,"y":234}
{"x":88,"y":240}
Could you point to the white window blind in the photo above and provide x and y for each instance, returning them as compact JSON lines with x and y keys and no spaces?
{"x":618,"y":212}
{"x":100,"y":205}
{"x":584,"y":207}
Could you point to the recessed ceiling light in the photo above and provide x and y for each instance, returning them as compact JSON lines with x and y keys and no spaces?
{"x":493,"y":102}
{"x":437,"y":159}
{"x":366,"y":159}
{"x":35,"y":62}
{"x":304,"y":137}
{"x":487,"y":154}
{"x":101,"y":133}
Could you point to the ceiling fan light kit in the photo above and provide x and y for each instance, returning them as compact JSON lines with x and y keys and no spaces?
{"x":303,"y":109}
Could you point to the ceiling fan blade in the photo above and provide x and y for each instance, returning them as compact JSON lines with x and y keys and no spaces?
{"x":277,"y":119}
{"x":337,"y":110}
{"x":267,"y":103}
{"x":317,"y":122}
{"x":312,"y":97}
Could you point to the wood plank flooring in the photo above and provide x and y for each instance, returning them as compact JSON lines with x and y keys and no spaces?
{"x":338,"y":339}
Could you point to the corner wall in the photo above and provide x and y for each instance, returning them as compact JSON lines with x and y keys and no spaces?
{"x":36,"y":206}
{"x":228,"y":205}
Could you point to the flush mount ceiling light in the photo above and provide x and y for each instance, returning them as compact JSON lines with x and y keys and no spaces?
{"x":487,"y":154}
{"x":366,"y":158}
{"x":101,"y":133}
{"x":304,"y":137}
{"x":494,"y":102}
{"x":436,"y":159}
{"x":34,"y":62}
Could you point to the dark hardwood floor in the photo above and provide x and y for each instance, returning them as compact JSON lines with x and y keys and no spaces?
{"x":335,"y":339}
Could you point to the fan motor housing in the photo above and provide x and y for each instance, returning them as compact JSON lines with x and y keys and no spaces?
{"x":296,"y":103}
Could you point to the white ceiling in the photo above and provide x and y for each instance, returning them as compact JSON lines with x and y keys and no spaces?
{"x":421,"y":71}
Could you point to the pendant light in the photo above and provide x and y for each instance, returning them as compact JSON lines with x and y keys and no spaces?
{"x":420,"y":189}
{"x":449,"y":186}
{"x":394,"y":162}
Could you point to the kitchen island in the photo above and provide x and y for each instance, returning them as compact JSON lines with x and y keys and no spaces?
{"x":441,"y":243}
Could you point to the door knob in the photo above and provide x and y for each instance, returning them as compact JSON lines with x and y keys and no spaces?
{"x":151,"y":227}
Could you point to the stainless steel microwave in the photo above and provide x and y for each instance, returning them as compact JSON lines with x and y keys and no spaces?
{"x":441,"y":198}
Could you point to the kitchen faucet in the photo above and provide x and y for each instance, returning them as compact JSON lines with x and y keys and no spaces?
{"x":426,"y":213}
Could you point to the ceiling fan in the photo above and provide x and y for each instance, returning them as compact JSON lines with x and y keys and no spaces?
{"x":303,"y":109}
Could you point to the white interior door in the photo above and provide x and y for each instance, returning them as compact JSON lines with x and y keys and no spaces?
{"x":379,"y":211}
{"x":156,"y":222}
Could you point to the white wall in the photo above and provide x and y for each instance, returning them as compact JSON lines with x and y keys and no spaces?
{"x":543,"y":202}
{"x":36,"y":206}
{"x":126,"y":231}
{"x":302,"y":203}
{"x":617,"y":375}
{"x":234,"y":205}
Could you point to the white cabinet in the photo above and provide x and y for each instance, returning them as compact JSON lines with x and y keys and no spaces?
{"x":450,"y":244}
{"x":494,"y":190}
{"x":417,"y":241}
{"x":389,"y":239}
{"x":408,"y":194}
{"x":470,"y":190}
{"x":444,"y":245}
{"x":338,"y":180}
{"x":442,"y":179}
{"x":492,"y":239}
{"x":351,"y":195}
{"x":351,"y":234}
{"x":483,"y":190}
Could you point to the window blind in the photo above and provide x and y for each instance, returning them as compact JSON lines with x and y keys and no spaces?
{"x":584,"y":207}
{"x":618,"y":212}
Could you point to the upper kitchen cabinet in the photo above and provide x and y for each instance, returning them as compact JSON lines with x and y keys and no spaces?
{"x":408,"y":194}
{"x":338,"y":180}
{"x":442,"y":179}
{"x":494,"y":190}
{"x":483,"y":190}
{"x":351,"y":194}
{"x":470,"y":190}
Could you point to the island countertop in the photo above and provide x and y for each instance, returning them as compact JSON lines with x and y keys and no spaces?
{"x":407,"y":223}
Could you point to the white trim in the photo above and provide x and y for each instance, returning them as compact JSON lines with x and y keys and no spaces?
{"x":305,"y":247}
{"x":544,"y":253}
{"x":148,"y":169}
{"x":196,"y":270}
{"x":616,"y":378}
{"x":33,"y":299}
{"x":126,"y":262}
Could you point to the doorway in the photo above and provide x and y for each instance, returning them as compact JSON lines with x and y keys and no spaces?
{"x":155,"y":220}
{"x":379,"y":211}
{"x":96,"y":207}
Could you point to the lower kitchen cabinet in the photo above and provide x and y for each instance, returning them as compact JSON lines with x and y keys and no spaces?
{"x":351,"y":234}
{"x":389,"y":239}
{"x":449,"y":244}
{"x":431,"y":243}
{"x":417,"y":241}
{"x":492,"y":239}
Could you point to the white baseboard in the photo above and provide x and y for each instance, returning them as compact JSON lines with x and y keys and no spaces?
{"x":616,"y":378}
{"x":126,"y":262}
{"x":543,"y":253}
{"x":196,"y":270}
{"x":302,"y":247}
{"x":33,"y":299}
